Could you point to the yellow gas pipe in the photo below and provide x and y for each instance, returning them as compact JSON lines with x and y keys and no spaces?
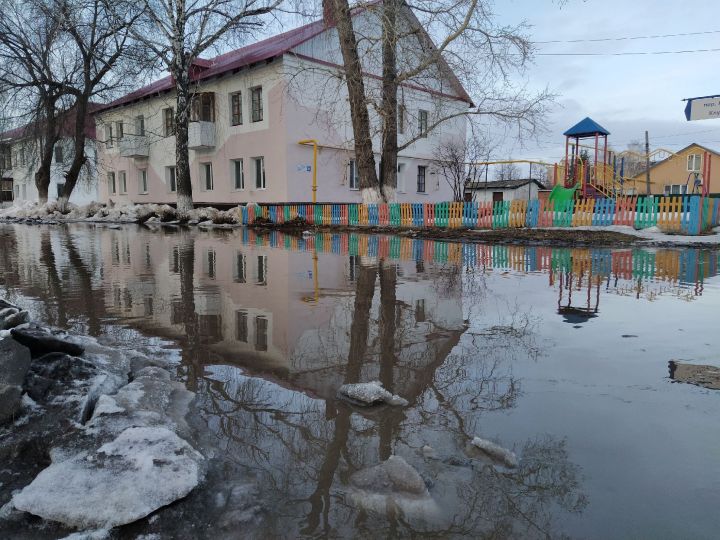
{"x":314,"y":170}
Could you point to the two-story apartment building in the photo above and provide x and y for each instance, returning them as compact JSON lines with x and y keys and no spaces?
{"x":252,"y":106}
{"x":19,"y":161}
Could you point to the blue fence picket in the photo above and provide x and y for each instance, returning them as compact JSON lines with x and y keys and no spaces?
{"x":533,"y":213}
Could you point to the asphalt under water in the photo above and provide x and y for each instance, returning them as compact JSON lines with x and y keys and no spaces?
{"x":597,"y":367}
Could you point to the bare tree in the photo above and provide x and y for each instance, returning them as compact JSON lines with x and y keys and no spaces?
{"x":459,"y":162}
{"x":507,"y":171}
{"x":177,"y":32}
{"x":446,"y":55}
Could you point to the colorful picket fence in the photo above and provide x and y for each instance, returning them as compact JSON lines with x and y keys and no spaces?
{"x":686,"y":214}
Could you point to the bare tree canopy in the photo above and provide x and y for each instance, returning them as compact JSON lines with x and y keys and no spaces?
{"x":176,"y":33}
{"x":460,"y":162}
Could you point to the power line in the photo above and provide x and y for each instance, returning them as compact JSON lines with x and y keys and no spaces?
{"x":628,"y":38}
{"x":635,"y":53}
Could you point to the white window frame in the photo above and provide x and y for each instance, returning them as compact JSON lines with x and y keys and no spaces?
{"x":168,"y":129}
{"x":423,"y":116}
{"x":108,"y":136}
{"x":696,"y":161}
{"x":353,"y":179}
{"x":233,"y":174}
{"x":112,"y":185}
{"x":142,"y":182}
{"x":206,"y":176}
{"x":260,"y":109}
{"x":262,"y":178}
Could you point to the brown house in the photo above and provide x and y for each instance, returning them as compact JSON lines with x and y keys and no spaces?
{"x":679,"y":173}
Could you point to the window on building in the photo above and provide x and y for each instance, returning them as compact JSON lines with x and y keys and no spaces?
{"x":261,"y":273}
{"x":59,"y":158}
{"x":353,"y":181}
{"x":241,"y":326}
{"x":206,"y":174}
{"x":240,"y":270}
{"x":142,"y":181}
{"x":203,"y":107}
{"x":236,"y":117}
{"x":676,"y":189}
{"x":169,"y":121}
{"x":353,"y":266}
{"x":259,"y":163}
{"x":422,"y":170}
{"x":423,"y":123}
{"x":401,"y":118}
{"x":238,"y":174}
{"x":210,"y":260}
{"x":122,"y":177}
{"x":111,"y":183}
{"x":694,"y":162}
{"x":5,"y":158}
{"x":119,"y":130}
{"x":171,"y":179}
{"x":261,"y":330}
{"x":140,"y":125}
{"x":257,"y":103}
{"x":109,"y":135}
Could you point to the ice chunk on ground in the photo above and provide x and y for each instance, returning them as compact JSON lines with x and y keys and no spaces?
{"x":496,"y":452}
{"x":142,"y":470}
{"x":370,"y":394}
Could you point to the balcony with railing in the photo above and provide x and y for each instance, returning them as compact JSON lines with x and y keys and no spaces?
{"x":134,"y":146}
{"x":201,"y":135}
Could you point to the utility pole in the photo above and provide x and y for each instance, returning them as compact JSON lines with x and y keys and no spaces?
{"x":647,"y":163}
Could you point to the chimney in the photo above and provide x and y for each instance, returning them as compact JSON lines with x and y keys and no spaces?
{"x":328,"y":13}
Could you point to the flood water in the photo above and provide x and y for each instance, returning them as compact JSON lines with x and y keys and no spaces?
{"x":580,"y":360}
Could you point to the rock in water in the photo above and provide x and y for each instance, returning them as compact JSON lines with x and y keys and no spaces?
{"x":369,"y":394}
{"x":143,"y":469}
{"x":496,"y":452}
{"x":40,"y":341}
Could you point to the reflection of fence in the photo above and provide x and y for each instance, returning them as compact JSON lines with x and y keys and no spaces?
{"x":685,"y":266}
{"x":688,"y":214}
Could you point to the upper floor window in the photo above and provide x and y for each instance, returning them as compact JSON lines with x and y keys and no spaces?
{"x":694,"y":162}
{"x":207,"y":175}
{"x":119,"y":130}
{"x":59,"y":158}
{"x":259,"y":172}
{"x":236,"y":117}
{"x":421,"y":178}
{"x":401,"y":118}
{"x":257,"y":103}
{"x":261,"y":333}
{"x":169,"y":121}
{"x":140,"y":125}
{"x":353,"y":182}
{"x":5,"y":158}
{"x":423,"y":123}
{"x":123,"y":181}
{"x":203,"y":107}
{"x":109,"y":135}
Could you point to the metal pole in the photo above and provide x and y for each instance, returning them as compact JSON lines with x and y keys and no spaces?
{"x":647,"y":163}
{"x":314,"y":166}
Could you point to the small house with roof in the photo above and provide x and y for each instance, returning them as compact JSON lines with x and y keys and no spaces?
{"x":503,"y":190}
{"x":251,"y":108}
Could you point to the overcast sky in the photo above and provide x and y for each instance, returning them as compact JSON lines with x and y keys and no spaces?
{"x":625,"y":94}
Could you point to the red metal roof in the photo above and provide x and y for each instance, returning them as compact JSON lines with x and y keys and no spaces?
{"x":251,"y":54}
{"x":67,"y":129}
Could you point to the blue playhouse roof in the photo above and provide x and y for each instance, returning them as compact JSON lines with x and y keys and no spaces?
{"x":586,"y":128}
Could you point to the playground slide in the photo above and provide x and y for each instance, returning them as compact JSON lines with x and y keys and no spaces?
{"x":561,"y":194}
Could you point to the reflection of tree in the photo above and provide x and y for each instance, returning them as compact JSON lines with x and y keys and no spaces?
{"x":47,"y":259}
{"x":191,"y":349}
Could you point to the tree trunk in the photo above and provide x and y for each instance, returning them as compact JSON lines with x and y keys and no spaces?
{"x":182,"y":125}
{"x":79,"y":158}
{"x":47,"y":148}
{"x":364,"y":156}
{"x":388,"y":329}
{"x":389,"y":152}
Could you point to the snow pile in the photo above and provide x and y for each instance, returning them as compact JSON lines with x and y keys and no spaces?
{"x":392,"y":487}
{"x":369,"y":394}
{"x":138,"y":472}
{"x":496,"y":452}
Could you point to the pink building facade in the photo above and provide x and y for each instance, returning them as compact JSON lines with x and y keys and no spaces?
{"x":252,"y":108}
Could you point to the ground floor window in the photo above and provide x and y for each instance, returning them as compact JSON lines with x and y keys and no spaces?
{"x":238,"y":174}
{"x":207,"y":176}
{"x":676,"y":189}
{"x":142,"y":181}
{"x":112,"y":189}
{"x":261,"y":331}
{"x":422,"y":170}
{"x":261,"y":274}
{"x":259,"y":172}
{"x":123,"y":181}
{"x":353,"y":181}
{"x":241,"y":326}
{"x":240,"y":270}
{"x":171,"y":179}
